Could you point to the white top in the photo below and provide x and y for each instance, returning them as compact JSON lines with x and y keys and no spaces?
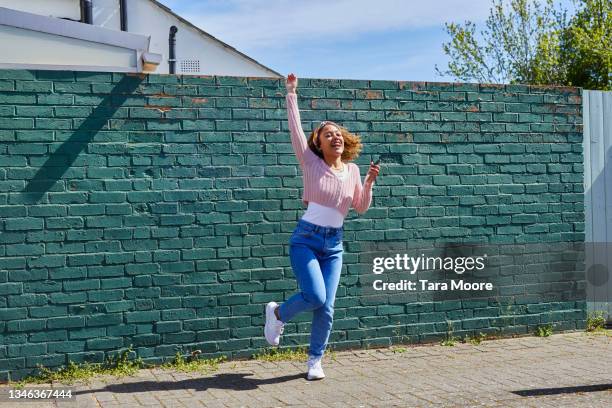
{"x":341,"y":173}
{"x":326,"y":216}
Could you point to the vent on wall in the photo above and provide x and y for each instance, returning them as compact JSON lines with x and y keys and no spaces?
{"x":190,"y":65}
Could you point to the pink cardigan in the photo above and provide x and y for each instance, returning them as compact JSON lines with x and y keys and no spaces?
{"x":321,"y":185}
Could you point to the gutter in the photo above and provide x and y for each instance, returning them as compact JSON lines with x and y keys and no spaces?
{"x":171,"y":51}
{"x":86,"y":12}
{"x":123,"y":15}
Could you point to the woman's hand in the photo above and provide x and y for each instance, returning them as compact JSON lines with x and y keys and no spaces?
{"x":291,"y":83}
{"x":372,"y":173}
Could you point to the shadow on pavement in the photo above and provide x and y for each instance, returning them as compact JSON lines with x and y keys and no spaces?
{"x":563,"y":390}
{"x":235,"y":381}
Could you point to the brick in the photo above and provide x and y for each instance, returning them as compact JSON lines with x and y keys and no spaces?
{"x":104,"y":343}
{"x":23,"y":223}
{"x":25,"y":325}
{"x":144,"y":316}
{"x":65,"y":322}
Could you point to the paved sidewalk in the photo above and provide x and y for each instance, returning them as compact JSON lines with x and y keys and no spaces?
{"x":564,"y":370}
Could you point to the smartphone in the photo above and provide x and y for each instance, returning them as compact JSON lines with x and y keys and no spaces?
{"x":378,"y":160}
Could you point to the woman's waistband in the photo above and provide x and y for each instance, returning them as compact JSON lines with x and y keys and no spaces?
{"x":319,"y":228}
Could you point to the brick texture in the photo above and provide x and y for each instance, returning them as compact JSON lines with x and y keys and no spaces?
{"x":155,"y":210}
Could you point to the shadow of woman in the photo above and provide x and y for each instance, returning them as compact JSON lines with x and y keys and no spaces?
{"x":233,"y":381}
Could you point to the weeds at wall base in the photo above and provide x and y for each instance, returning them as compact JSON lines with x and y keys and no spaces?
{"x":193,"y":363}
{"x":544,"y":330}
{"x":595,"y":321}
{"x":282,"y":354}
{"x":118,"y":366}
{"x":121,"y":365}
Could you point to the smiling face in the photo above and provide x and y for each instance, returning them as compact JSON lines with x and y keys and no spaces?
{"x":331,"y":141}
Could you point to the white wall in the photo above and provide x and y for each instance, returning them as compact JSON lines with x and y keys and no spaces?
{"x":146,"y":18}
{"x":597,"y":148}
{"x":106,"y":13}
{"x":50,"y":8}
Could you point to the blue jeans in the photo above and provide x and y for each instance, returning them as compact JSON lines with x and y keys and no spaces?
{"x":316,"y":260}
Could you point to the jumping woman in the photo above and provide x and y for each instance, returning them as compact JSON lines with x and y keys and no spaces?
{"x":332,"y":183}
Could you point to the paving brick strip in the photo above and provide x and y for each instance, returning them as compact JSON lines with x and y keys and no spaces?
{"x":563,"y":370}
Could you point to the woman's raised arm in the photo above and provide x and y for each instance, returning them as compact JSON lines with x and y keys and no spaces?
{"x":298,"y":138}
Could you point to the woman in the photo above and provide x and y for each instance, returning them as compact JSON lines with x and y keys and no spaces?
{"x":332,"y":184}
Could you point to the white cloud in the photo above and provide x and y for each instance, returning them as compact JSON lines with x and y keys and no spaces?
{"x":254,"y":24}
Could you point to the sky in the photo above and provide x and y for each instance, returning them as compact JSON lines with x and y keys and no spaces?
{"x":339,"y":39}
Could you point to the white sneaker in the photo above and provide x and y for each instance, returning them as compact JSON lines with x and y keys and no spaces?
{"x":315,"y":371}
{"x":274,"y":327}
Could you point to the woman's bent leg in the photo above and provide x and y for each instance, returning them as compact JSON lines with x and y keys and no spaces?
{"x":310,"y":280}
{"x":322,"y":317}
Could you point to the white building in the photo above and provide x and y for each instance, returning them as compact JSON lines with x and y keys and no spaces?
{"x":113,"y":35}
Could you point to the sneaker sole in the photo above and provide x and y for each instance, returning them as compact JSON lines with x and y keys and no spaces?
{"x":268,"y":311}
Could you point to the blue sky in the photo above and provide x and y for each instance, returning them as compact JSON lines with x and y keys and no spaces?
{"x":348,"y":39}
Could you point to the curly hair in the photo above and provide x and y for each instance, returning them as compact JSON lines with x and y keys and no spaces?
{"x":352,"y":142}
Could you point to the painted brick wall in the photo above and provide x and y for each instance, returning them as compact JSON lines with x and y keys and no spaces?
{"x":155,"y":211}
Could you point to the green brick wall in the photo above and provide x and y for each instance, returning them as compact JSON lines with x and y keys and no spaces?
{"x":155,"y":211}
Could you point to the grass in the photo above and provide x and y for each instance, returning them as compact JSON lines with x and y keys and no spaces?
{"x":544,"y":330}
{"x":193,"y":363}
{"x":332,"y":353}
{"x":596,"y":324}
{"x":403,"y":340}
{"x":119,"y":366}
{"x":288,"y":354}
{"x":601,"y":331}
{"x":450,"y":339}
{"x":282,"y":354}
{"x":475,"y":340}
{"x":596,"y":321}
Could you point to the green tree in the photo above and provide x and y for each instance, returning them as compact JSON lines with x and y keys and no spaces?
{"x":586,"y":46}
{"x":507,"y":46}
{"x":535,"y":43}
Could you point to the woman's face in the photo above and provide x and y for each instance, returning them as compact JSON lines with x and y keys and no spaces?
{"x":331,"y":141}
